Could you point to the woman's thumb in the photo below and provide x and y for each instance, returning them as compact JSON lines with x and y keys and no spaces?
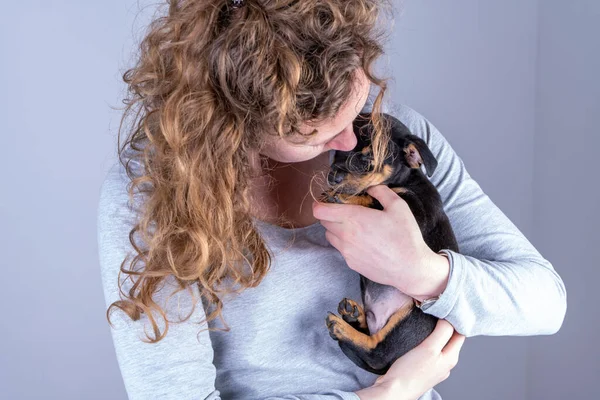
{"x":383,"y":194}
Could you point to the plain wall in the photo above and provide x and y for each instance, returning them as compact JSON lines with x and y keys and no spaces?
{"x":471,"y":67}
{"x":59,"y":75}
{"x":566,"y":194}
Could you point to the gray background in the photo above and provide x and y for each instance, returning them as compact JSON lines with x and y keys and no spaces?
{"x":513,"y":85}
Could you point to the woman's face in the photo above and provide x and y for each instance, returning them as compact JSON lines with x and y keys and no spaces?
{"x":335,"y":134}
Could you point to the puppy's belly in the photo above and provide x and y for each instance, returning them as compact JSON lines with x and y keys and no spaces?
{"x":380,"y":302}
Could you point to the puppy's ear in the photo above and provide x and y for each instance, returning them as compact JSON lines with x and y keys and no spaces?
{"x":416,"y":153}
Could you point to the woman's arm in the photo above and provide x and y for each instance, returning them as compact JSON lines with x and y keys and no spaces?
{"x":180,"y":365}
{"x":499,"y":284}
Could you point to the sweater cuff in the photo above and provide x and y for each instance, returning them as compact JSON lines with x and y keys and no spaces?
{"x":443,"y":305}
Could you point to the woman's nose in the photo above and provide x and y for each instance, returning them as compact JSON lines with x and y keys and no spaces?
{"x":345,"y":141}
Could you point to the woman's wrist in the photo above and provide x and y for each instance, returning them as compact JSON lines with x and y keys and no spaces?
{"x":439,"y":266}
{"x":375,"y":393}
{"x":389,"y":390}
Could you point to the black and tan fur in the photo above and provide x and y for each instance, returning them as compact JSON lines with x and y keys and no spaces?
{"x":352,"y":172}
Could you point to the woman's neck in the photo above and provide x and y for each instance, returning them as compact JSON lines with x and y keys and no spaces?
{"x":284,"y":191}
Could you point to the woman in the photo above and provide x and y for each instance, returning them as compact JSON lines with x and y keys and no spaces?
{"x":240,"y":107}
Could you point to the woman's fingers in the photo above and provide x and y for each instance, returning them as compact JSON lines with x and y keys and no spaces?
{"x":446,"y":341}
{"x":454,"y":344}
{"x":440,"y":336}
{"x":452,"y":349}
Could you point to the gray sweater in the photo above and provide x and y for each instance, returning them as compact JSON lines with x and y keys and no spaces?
{"x":278,"y":346}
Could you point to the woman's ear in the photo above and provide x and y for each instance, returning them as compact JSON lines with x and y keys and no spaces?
{"x":416,"y":153}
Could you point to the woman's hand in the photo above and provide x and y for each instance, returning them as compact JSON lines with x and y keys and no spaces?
{"x":421,"y":368}
{"x":385,"y":246}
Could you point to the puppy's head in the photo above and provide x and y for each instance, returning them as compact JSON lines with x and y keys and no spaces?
{"x":352,"y":172}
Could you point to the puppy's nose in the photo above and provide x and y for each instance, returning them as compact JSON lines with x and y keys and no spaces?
{"x":336,"y":177}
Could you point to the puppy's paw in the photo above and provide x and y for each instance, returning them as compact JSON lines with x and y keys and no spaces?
{"x":364,"y":200}
{"x":353,"y":314}
{"x":335,"y":325}
{"x":329,"y":196}
{"x":349,"y":310}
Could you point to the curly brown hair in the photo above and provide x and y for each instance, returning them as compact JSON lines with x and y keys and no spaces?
{"x":210,"y":80}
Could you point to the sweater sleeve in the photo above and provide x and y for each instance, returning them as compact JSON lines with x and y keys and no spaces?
{"x":180,"y":365}
{"x":499,"y":284}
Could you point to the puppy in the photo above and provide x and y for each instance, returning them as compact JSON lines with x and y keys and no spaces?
{"x":390,"y":323}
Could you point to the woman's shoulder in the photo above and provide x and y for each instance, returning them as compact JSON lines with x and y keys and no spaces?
{"x":414,"y":120}
{"x":448,"y":162}
{"x":114,"y":194}
{"x":116,"y":217}
{"x":114,"y":180}
{"x":116,"y":213}
{"x":418,"y":124}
